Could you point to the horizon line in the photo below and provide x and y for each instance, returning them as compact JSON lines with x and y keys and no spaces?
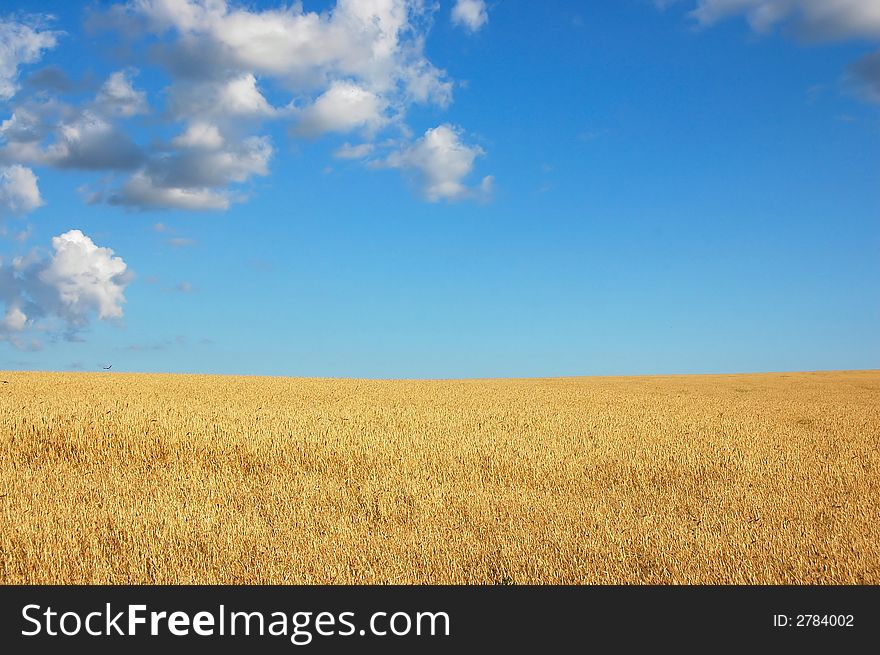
{"x":446,"y":379}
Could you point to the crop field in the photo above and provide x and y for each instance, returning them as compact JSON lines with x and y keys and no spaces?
{"x":132,"y":478}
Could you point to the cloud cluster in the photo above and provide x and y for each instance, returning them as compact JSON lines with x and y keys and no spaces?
{"x":60,"y":292}
{"x":21,"y":43}
{"x":470,"y":14}
{"x":191,"y":172}
{"x":352,"y":69}
{"x":53,"y":133}
{"x":378,"y":43}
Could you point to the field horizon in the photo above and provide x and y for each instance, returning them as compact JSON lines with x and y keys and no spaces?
{"x":139,"y":478}
{"x":781,"y":372}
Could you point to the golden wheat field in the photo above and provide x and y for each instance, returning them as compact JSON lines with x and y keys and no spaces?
{"x":118,"y":478}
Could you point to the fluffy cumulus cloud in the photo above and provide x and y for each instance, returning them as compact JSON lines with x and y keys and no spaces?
{"x":141,"y":192}
{"x":205,"y":166}
{"x":21,"y":43}
{"x":88,"y":278}
{"x":195,"y":174}
{"x":342,"y":108}
{"x":61,"y":292}
{"x":200,"y":134}
{"x":19,"y":193}
{"x":470,"y":14}
{"x":441,"y":162}
{"x":235,"y":98}
{"x":119,"y":97}
{"x":90,"y":142}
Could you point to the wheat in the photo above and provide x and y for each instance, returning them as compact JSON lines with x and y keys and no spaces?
{"x":751,"y":479}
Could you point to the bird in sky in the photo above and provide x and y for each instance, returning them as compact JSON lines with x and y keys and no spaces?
{"x":107,"y":368}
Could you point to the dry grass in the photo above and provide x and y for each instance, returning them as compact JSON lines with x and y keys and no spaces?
{"x":112,"y":478}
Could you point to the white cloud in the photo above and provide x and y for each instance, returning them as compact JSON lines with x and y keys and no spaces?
{"x":199,"y":135}
{"x":212,"y":166}
{"x":140,"y":191}
{"x":92,"y":143}
{"x":377,"y":42}
{"x":195,"y":175}
{"x":119,"y":97}
{"x":21,"y":43}
{"x":14,"y":321}
{"x":441,"y":163}
{"x":487,"y":184}
{"x":470,"y":14}
{"x":54,"y":134}
{"x":60,"y":293}
{"x":88,"y":278}
{"x":19,"y":193}
{"x":819,"y":19}
{"x":235,"y":98}
{"x":343,"y":107}
{"x":25,"y":125}
{"x":242,"y":97}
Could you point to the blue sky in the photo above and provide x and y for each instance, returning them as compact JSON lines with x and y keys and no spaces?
{"x":539,"y":190}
